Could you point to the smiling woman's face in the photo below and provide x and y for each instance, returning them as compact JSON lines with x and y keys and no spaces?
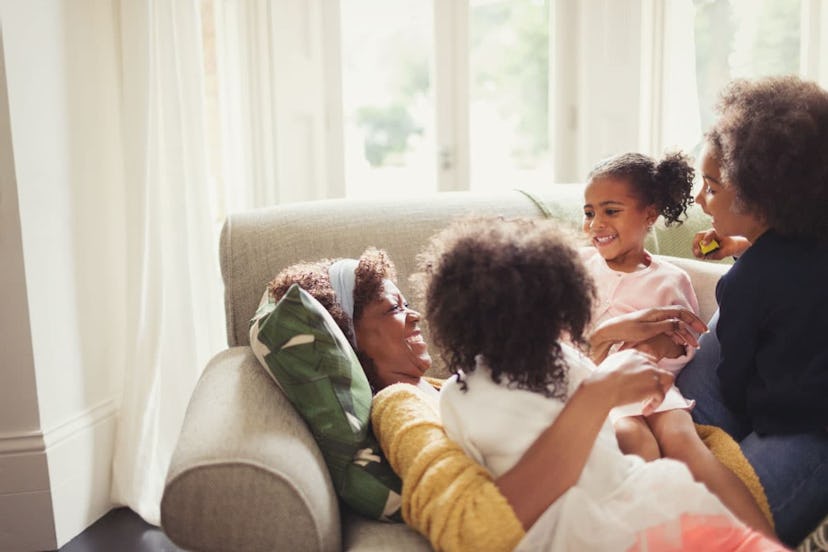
{"x":388,"y":332}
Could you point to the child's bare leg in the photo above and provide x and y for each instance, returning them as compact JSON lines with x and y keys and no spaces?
{"x":635,"y":437}
{"x":677,"y":437}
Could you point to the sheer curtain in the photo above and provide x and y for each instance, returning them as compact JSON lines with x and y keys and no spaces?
{"x":245,"y":94}
{"x":175,"y":318}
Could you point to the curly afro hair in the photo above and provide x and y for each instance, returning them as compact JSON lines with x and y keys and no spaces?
{"x":667,"y":184}
{"x":507,"y":289}
{"x":374,"y":267}
{"x":771,"y":140}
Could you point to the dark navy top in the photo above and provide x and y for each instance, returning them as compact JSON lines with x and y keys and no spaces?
{"x":773,"y":330}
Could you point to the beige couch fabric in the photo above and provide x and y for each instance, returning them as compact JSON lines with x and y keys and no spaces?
{"x":246,"y":474}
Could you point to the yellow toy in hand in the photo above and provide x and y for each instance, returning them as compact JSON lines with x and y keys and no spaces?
{"x":708,"y":247}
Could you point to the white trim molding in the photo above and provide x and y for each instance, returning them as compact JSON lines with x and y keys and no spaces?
{"x":55,"y":483}
{"x":79,"y":423}
{"x":25,"y":493}
{"x":451,"y":93}
{"x":23,"y":442}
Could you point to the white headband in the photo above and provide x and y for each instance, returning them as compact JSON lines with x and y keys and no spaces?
{"x":342,"y":274}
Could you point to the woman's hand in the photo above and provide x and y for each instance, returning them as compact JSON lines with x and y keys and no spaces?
{"x":678,"y":323}
{"x":729,"y":246}
{"x":628,"y":377}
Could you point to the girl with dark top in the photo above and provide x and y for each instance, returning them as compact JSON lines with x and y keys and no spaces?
{"x":761,"y":373}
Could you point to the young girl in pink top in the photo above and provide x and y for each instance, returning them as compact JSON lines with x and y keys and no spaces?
{"x":623,"y":198}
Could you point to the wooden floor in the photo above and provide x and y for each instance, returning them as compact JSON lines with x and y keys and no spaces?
{"x":121,"y":530}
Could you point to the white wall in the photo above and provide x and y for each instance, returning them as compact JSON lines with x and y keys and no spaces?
{"x":24,"y":476}
{"x":63,"y":84}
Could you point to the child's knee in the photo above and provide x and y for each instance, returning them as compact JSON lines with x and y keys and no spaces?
{"x":676,"y":434}
{"x":634,"y":437}
{"x":627,"y":426}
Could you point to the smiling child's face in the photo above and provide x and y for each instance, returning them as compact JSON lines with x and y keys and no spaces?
{"x":617,"y":223}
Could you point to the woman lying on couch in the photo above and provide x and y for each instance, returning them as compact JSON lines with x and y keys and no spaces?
{"x":447,"y":497}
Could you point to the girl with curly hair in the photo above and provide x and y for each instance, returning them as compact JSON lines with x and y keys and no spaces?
{"x":623,"y":198}
{"x":503,"y":299}
{"x":762,"y":371}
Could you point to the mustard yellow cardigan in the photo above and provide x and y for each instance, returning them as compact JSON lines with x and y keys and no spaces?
{"x":452,"y":500}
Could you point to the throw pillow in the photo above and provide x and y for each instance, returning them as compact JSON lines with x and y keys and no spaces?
{"x":298,"y":343}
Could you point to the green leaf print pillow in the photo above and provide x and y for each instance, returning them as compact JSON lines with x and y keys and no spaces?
{"x":304,"y":351}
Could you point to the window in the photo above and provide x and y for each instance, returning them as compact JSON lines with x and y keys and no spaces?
{"x":388,"y":98}
{"x":729,"y":39}
{"x":508,"y":97}
{"x":427,"y":93}
{"x":324,"y":98}
{"x":743,"y":38}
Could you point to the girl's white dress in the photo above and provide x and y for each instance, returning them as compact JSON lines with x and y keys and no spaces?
{"x":619,"y":503}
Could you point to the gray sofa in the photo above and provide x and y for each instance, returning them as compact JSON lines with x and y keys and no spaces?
{"x":246,"y":473}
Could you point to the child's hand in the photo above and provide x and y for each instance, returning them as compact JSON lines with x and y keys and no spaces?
{"x":660,"y":346}
{"x":678,"y":323}
{"x":631,"y":376}
{"x":729,"y":246}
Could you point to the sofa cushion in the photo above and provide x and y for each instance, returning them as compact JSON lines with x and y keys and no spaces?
{"x":309,"y":358}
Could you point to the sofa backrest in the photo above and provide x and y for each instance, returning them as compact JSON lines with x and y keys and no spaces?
{"x":256,"y":245}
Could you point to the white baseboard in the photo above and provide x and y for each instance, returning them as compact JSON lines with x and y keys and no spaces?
{"x":26,"y":521}
{"x":55,"y":483}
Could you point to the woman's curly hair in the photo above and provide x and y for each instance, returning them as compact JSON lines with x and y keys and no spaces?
{"x":374,"y":266}
{"x":506,"y":289}
{"x":771,"y":140}
{"x":667,"y":184}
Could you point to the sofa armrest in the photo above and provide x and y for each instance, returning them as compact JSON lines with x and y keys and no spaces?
{"x":704,"y":275}
{"x":246,"y":473}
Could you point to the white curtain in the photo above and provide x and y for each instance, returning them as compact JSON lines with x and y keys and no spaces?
{"x":247,"y":106}
{"x":175,"y":314}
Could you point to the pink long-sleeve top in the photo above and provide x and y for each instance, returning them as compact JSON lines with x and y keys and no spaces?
{"x":658,"y":285}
